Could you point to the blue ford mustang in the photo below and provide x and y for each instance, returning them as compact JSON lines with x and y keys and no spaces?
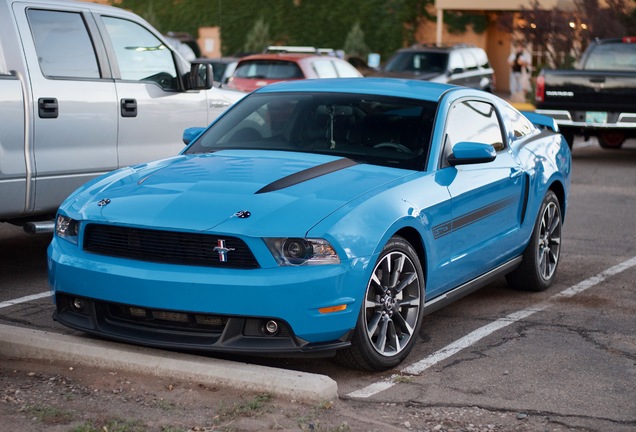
{"x":317,"y":217}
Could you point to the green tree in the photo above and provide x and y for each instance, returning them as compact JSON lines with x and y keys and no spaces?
{"x":258,"y":38}
{"x":354,"y":43}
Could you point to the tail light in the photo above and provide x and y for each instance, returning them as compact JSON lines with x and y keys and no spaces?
{"x":539,"y":95}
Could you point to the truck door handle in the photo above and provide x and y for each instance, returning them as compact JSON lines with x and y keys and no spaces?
{"x":129,"y":108}
{"x":597,"y":80}
{"x":48,"y":108}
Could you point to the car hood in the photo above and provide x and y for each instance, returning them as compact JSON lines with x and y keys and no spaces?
{"x":243,"y":192}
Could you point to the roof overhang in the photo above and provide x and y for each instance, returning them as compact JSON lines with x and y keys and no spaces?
{"x":500,"y":5}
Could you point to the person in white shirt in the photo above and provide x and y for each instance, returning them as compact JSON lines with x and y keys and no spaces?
{"x":519,"y":61}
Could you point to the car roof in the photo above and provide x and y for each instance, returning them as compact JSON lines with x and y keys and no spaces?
{"x":435,"y":48}
{"x":412,"y":89}
{"x":282,"y":56}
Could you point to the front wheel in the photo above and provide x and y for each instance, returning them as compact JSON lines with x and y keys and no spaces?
{"x":541,"y":257}
{"x":391,"y":313}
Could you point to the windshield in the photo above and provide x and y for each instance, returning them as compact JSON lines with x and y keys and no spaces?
{"x":417,"y":62}
{"x":268,"y":69}
{"x":368,"y":129}
{"x":614,"y":56}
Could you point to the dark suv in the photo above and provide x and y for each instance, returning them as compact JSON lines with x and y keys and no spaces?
{"x":462,"y":64}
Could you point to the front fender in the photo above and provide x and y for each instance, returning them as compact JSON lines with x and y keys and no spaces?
{"x":361,"y":228}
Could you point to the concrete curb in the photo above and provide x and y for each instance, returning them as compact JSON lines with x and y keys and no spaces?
{"x":23,"y":343}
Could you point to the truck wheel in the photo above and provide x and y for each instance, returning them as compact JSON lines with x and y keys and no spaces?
{"x":391,"y":315}
{"x":541,"y":257}
{"x":611,"y":139}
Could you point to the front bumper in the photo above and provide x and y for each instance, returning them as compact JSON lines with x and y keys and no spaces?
{"x":121,"y":299}
{"x":186,"y":331}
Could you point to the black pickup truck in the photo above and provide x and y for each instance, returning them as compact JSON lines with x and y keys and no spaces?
{"x":596,"y":99}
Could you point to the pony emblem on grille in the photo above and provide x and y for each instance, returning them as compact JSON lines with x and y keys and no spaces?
{"x":222,"y":250}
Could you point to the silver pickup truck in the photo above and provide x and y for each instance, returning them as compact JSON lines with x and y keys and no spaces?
{"x":85,"y":89}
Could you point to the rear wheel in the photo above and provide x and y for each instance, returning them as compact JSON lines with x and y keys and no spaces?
{"x":391,"y":313}
{"x":611,"y":139}
{"x":541,"y":257}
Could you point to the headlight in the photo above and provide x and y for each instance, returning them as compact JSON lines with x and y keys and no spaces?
{"x":302,"y":251}
{"x":67,"y":228}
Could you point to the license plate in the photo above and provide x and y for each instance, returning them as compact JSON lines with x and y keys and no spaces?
{"x":595,"y":117}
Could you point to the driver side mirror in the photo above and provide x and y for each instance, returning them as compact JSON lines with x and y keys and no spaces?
{"x":192,"y":133}
{"x":200,"y":77}
{"x":471,"y":153}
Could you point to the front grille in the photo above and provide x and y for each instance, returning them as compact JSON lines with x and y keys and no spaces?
{"x":162,"y":319}
{"x":167,"y":247}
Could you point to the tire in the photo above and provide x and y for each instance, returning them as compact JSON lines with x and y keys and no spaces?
{"x":541,"y":257}
{"x":391,"y":314}
{"x":611,"y":139}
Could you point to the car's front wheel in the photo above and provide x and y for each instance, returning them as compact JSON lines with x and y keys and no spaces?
{"x":541,"y":257}
{"x":391,"y":313}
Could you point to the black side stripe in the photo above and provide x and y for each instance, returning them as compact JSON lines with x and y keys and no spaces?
{"x":307,"y":174}
{"x":470,"y":218}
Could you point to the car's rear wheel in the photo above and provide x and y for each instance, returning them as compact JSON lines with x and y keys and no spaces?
{"x":391,"y":313}
{"x":611,"y":139}
{"x":541,"y":257}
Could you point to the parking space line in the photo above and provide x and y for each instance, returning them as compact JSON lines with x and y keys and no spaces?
{"x":476,"y":335}
{"x":24,"y":299}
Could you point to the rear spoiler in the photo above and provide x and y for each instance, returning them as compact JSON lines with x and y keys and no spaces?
{"x":541,"y":120}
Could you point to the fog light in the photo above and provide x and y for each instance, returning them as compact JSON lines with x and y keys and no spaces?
{"x":271,"y":328}
{"x":78,"y":304}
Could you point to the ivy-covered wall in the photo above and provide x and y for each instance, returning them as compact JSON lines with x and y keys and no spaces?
{"x":386,"y":24}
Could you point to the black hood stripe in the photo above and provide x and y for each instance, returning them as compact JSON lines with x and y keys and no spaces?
{"x":307,"y":174}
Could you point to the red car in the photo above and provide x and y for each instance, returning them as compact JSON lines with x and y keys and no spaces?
{"x":258,"y":70}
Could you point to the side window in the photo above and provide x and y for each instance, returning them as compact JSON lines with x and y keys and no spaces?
{"x":482,"y":57}
{"x":324,"y":69}
{"x":520,"y":126}
{"x":455,"y":61}
{"x":345,"y":70}
{"x":63,"y":45}
{"x":469,"y":60}
{"x":141,"y":56}
{"x":473,"y":121}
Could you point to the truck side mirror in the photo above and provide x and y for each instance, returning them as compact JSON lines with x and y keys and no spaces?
{"x":200,"y":77}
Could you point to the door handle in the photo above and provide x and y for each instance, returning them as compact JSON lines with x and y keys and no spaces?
{"x":128,"y":107}
{"x":48,"y":108}
{"x":219,"y":104}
